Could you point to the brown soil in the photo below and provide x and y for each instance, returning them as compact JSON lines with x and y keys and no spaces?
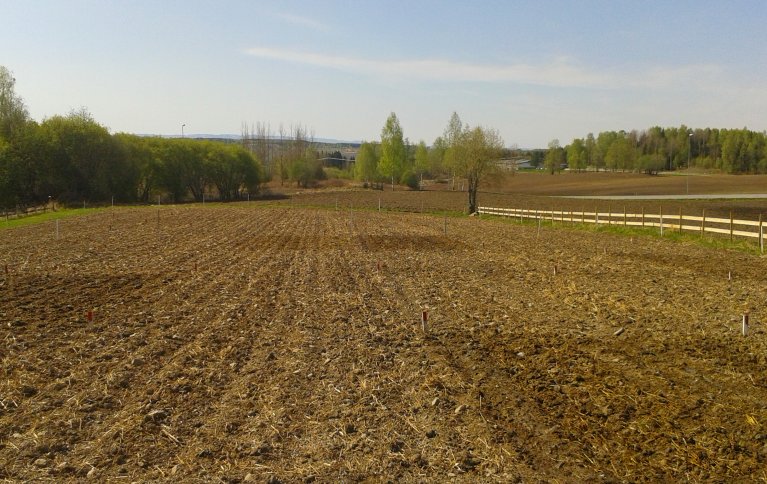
{"x":541,"y":191}
{"x":285,"y":344}
{"x":607,"y":183}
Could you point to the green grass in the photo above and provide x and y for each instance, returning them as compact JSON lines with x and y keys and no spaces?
{"x":738,"y":244}
{"x":47,"y":216}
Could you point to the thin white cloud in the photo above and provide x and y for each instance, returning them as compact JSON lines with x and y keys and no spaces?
{"x":303,"y":22}
{"x":561,"y":72}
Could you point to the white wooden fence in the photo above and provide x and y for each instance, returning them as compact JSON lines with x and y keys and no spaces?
{"x":23,"y":212}
{"x":664,"y":221}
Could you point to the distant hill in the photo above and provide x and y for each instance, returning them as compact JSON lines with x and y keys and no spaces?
{"x":237,"y":137}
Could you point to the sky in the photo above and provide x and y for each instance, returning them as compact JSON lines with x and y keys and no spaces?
{"x":533,"y":70}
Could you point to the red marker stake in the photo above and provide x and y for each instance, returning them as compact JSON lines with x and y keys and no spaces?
{"x":424,"y":318}
{"x":90,"y":316}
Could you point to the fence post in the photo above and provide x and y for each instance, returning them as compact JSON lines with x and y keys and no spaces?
{"x":624,"y":216}
{"x":643,"y":216}
{"x":609,"y":214}
{"x":730,"y":225}
{"x":596,"y":215}
{"x":680,"y":220}
{"x":661,"y":220}
{"x":761,"y":234}
{"x":583,"y":215}
{"x":703,"y":224}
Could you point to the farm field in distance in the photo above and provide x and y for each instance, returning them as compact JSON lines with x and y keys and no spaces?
{"x":539,"y":191}
{"x":617,"y":183}
{"x":282,"y":343}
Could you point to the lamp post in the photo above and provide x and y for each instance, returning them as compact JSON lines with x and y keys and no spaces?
{"x":182,"y":130}
{"x":689,"y":152}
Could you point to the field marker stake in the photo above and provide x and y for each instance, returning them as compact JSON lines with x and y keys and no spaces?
{"x":57,"y":229}
{"x":555,"y":269}
{"x":729,"y":275}
{"x":745,"y":324}
{"x":730,"y":225}
{"x":379,"y":204}
{"x":89,"y":316}
{"x":424,"y":318}
{"x":661,"y":220}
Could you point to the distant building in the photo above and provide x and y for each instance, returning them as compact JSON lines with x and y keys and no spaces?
{"x":513,"y":164}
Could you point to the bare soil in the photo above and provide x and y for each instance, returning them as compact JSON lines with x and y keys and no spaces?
{"x":284,"y":344}
{"x":609,"y":183}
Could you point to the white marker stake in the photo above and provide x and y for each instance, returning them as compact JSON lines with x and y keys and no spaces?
{"x":745,"y":324}
{"x":379,"y":204}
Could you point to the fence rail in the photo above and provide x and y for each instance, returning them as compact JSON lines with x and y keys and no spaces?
{"x":664,"y":222}
{"x":23,"y":212}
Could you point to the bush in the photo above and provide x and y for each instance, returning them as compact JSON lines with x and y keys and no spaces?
{"x":333,"y":172}
{"x":410,"y":179}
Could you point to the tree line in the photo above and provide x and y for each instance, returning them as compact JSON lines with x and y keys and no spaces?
{"x":73,"y":158}
{"x":462,"y":151}
{"x":658,"y":149}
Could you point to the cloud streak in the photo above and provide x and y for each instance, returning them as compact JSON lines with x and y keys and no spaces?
{"x":561,"y":72}
{"x":303,"y":22}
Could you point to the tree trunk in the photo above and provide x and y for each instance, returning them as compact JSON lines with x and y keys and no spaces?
{"x":472,"y":185}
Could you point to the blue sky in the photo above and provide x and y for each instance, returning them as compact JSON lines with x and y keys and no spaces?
{"x":534,"y":70}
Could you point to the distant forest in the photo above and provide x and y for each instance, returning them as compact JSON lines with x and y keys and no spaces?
{"x":658,"y":149}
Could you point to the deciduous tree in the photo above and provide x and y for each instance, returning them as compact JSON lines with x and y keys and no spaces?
{"x":393,"y":154}
{"x":474,"y":151}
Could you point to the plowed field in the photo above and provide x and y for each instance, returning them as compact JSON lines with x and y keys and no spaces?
{"x":285,"y":345}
